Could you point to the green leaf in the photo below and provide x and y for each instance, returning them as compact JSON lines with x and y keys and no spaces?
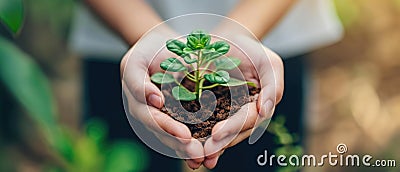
{"x":215,"y":50}
{"x":173,"y":65}
{"x":88,"y":155}
{"x":189,"y":60}
{"x":26,"y":81}
{"x":181,"y":93}
{"x":220,"y":77}
{"x":236,"y":82}
{"x":187,"y":50}
{"x":228,"y":63}
{"x":126,"y":156}
{"x":198,"y":39}
{"x":177,"y":47}
{"x":12,"y":14}
{"x":162,"y":78}
{"x":96,"y":130}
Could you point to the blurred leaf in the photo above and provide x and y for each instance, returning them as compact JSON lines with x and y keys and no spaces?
{"x":88,"y":155}
{"x":64,"y":144}
{"x":25,"y":80}
{"x":348,"y":11}
{"x":53,"y":169}
{"x":96,"y":130}
{"x":12,"y":14}
{"x":289,"y":150}
{"x":124,"y":156}
{"x":285,"y":138}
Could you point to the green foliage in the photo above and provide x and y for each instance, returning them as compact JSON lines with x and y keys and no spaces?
{"x":176,"y":47}
{"x":173,"y":65}
{"x":79,"y":152}
{"x":89,"y":151}
{"x":12,"y":14}
{"x":25,"y":80}
{"x":216,"y":50}
{"x":236,"y":82}
{"x":181,"y":93}
{"x":189,"y":60}
{"x":124,"y":156}
{"x":74,"y":151}
{"x":162,"y":78}
{"x":287,"y":142}
{"x":198,"y":40}
{"x":219,"y":77}
{"x":198,"y":53}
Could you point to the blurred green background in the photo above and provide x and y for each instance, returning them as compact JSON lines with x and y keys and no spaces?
{"x":39,"y":127}
{"x":354,"y":96}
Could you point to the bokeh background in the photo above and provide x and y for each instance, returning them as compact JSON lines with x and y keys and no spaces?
{"x":354,"y":95}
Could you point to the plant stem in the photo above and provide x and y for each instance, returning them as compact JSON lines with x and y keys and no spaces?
{"x":210,"y":86}
{"x":177,"y":83}
{"x":205,"y":68}
{"x":190,"y":76}
{"x":197,"y":74}
{"x":201,"y":87}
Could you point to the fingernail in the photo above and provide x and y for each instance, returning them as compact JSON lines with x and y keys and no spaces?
{"x":155,"y":100}
{"x":268,"y":106}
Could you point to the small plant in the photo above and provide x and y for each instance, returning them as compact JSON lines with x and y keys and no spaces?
{"x":199,"y":54}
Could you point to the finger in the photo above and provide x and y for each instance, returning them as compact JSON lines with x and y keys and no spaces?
{"x":194,"y":154}
{"x":137,"y":80}
{"x":239,"y":138}
{"x":155,"y":120}
{"x":271,"y":80}
{"x":270,"y":95}
{"x":211,"y":161}
{"x":244,"y":119}
{"x":211,"y":146}
{"x":192,"y":150}
{"x":192,"y":164}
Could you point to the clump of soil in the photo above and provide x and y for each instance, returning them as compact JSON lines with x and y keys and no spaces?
{"x":200,"y":120}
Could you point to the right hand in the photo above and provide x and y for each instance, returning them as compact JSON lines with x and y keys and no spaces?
{"x":143,"y":99}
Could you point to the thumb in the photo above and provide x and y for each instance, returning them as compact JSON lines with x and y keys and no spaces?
{"x":136,"y":78}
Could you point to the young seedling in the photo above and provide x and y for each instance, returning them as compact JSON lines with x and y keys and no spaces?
{"x":199,"y":51}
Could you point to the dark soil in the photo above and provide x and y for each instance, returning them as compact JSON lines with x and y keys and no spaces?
{"x":200,"y":120}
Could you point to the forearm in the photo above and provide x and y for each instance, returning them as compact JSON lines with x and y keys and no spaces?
{"x":260,"y":16}
{"x":129,"y":18}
